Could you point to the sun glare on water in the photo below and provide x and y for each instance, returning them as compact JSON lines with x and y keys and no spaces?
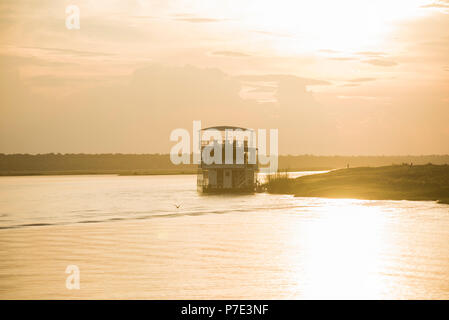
{"x":341,"y":252}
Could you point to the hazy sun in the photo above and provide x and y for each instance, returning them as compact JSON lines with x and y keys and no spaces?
{"x":328,"y":24}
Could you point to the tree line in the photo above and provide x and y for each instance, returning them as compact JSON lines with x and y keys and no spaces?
{"x":139,"y":163}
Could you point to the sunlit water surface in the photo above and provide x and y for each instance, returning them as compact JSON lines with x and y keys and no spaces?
{"x":130,"y":241}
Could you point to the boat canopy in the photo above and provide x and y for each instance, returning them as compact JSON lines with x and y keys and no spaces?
{"x":224,"y":128}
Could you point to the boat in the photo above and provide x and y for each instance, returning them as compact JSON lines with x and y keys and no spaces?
{"x":228,"y":161}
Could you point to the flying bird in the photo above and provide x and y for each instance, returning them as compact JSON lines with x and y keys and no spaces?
{"x":177,"y":206}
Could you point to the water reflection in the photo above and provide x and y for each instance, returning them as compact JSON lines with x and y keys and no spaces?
{"x":341,"y":250}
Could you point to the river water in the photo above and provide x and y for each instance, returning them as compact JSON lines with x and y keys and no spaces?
{"x":129,"y":240}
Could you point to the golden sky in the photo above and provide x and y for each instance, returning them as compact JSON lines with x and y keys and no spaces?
{"x":335,"y":77}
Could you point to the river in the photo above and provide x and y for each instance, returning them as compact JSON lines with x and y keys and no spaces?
{"x":129,"y":239}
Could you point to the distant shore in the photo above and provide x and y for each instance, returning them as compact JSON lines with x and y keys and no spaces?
{"x":160,"y":164}
{"x":97,"y":172}
{"x":398,"y":182}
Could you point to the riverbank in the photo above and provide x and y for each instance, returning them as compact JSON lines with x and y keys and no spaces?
{"x":399,"y":182}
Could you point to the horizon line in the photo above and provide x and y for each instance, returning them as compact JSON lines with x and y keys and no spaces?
{"x":280,"y":155}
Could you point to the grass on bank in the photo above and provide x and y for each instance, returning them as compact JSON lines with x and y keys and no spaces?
{"x":397,"y":182}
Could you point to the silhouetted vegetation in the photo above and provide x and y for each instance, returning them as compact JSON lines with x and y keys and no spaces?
{"x":279,"y":182}
{"x":124,"y":164}
{"x":398,"y":182}
{"x":130,"y":164}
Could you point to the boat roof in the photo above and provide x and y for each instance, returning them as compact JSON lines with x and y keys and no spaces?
{"x":223,"y":128}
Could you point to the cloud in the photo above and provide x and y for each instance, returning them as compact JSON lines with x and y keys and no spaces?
{"x":51,"y":81}
{"x":381,"y":62}
{"x":342,"y":58}
{"x":350,"y":85}
{"x":375,"y":58}
{"x":144,"y":17}
{"x":17,"y":60}
{"x":273,"y":34}
{"x":328,"y":51}
{"x":199,"y":20}
{"x":262,"y":89}
{"x":138,"y":115}
{"x":233,"y":54}
{"x":47,"y":80}
{"x":283,"y":77}
{"x":71,"y":52}
{"x":441,"y":4}
{"x":357,"y":82}
{"x":361,"y":79}
{"x":357,"y":97}
{"x":370,"y":53}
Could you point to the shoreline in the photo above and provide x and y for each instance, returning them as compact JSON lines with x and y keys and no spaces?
{"x":352,"y":183}
{"x":126,"y":172}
